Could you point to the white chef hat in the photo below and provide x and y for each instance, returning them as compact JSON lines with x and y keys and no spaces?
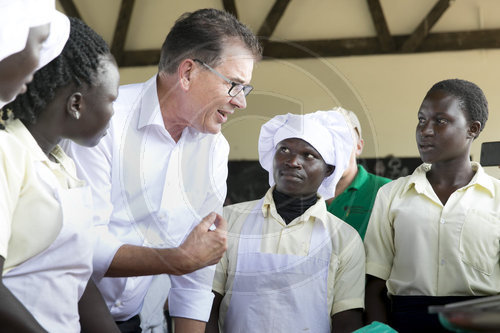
{"x":18,"y":16}
{"x":327,"y":131}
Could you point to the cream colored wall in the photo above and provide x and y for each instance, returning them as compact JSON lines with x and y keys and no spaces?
{"x":385,"y":91}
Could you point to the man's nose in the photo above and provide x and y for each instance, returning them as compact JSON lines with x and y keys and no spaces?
{"x":240,"y":100}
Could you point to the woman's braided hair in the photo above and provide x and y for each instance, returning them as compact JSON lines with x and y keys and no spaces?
{"x":78,"y":63}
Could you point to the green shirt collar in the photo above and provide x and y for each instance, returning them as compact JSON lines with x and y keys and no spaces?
{"x":359,"y":180}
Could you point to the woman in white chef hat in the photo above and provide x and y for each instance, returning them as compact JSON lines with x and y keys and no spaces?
{"x":290,"y":265}
{"x":45,"y":210}
{"x":32,"y":33}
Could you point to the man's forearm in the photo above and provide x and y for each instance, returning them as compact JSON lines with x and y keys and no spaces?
{"x":131,"y":260}
{"x":201,"y":248}
{"x":185,"y":325}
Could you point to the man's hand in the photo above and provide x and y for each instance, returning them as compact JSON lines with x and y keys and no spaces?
{"x":202,"y":246}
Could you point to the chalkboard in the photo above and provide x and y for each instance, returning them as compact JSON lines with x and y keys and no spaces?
{"x":391,"y":167}
{"x":248,"y":181}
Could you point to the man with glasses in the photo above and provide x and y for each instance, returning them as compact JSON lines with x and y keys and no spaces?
{"x":162,"y":167}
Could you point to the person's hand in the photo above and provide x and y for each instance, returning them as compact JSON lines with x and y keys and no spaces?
{"x":204,"y":247}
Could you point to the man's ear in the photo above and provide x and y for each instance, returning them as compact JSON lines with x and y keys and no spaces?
{"x":329,"y":170}
{"x":185,"y":72}
{"x":474,"y":129}
{"x":74,"y":105}
{"x":360,"y":143}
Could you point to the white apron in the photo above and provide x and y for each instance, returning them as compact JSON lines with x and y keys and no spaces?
{"x":51,"y":283}
{"x":276,"y":292}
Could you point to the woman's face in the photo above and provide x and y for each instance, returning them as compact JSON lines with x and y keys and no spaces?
{"x":298,"y":168}
{"x":97,"y":104}
{"x":443,"y":130}
{"x":17,"y":69}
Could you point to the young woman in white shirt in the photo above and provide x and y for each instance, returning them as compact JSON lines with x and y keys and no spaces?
{"x":45,"y":243}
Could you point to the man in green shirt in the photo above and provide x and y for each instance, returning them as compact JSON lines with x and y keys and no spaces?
{"x":357,"y":189}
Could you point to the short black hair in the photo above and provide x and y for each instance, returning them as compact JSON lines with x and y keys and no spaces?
{"x":472,"y":99}
{"x":201,"y":35}
{"x":77,"y":64}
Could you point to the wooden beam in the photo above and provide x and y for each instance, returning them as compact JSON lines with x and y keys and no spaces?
{"x":272,"y":19}
{"x":70,"y":8}
{"x":322,"y":48}
{"x":230,"y":7}
{"x":465,"y":40}
{"x":121,"y":29}
{"x":417,"y":37}
{"x":383,"y":34}
{"x":437,"y":42}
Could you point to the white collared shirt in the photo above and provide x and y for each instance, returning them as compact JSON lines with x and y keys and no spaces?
{"x":422,"y":247}
{"x":30,"y":215}
{"x":151,"y":191}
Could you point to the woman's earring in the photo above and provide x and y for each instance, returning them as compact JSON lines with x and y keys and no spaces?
{"x":76,"y":114}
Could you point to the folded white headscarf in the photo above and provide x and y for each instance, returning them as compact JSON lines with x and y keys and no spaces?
{"x":327,"y":131}
{"x":18,"y":16}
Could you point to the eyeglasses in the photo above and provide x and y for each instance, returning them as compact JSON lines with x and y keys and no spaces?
{"x":236,"y":88}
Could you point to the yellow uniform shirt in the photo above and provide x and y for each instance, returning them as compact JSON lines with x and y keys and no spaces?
{"x":421,"y":247}
{"x":346,"y":282}
{"x":30,"y":215}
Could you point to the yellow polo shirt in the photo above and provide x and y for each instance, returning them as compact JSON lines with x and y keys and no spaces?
{"x":346,"y":282}
{"x":30,"y":216}
{"x":421,"y":247}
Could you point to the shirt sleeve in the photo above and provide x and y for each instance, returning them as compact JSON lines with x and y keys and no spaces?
{"x":12,"y":173}
{"x":94,"y":166}
{"x":218,"y":175}
{"x":349,"y":287}
{"x":191,"y":294}
{"x":379,"y":239}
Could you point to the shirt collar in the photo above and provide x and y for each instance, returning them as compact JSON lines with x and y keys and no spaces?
{"x":359,"y":180}
{"x":150,"y":112}
{"x":17,"y":129}
{"x":419,"y":180}
{"x":317,"y":211}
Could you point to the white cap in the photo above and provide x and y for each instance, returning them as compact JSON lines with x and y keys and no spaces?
{"x":18,"y":16}
{"x":352,"y":120}
{"x":327,"y":131}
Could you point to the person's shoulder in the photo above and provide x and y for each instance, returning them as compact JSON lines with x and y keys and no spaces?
{"x":244,"y":207}
{"x":236,"y":214}
{"x":209,"y":142}
{"x":487,"y":178}
{"x":379,"y":180}
{"x":129,"y":94}
{"x":16,"y":158}
{"x":11,"y":146}
{"x":132,"y":87}
{"x":396,"y":183}
{"x":342,"y":234}
{"x":340,"y":227}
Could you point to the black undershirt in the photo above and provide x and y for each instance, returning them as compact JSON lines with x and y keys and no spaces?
{"x":289,"y":207}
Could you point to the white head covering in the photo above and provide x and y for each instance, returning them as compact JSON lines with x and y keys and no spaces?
{"x":14,"y":29}
{"x":353,"y":121}
{"x":18,"y":16}
{"x":327,"y":131}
